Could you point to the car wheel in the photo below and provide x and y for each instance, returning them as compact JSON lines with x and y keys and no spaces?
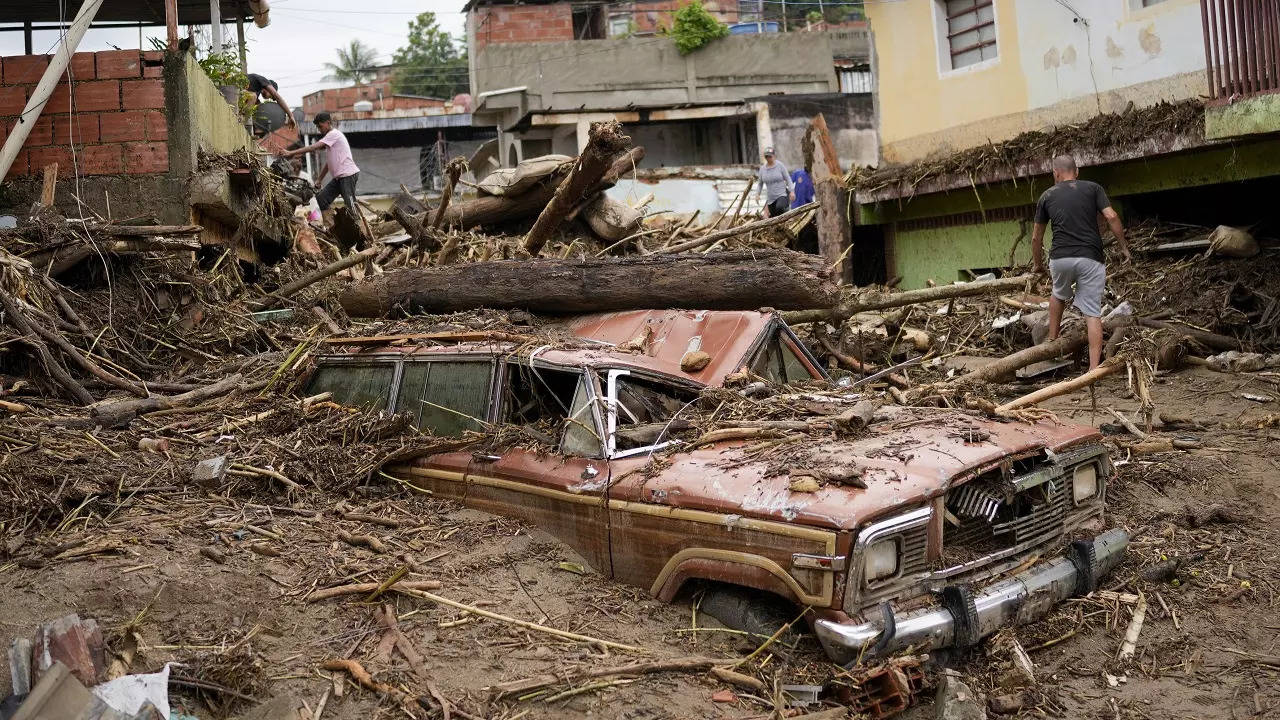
{"x":758,"y":613}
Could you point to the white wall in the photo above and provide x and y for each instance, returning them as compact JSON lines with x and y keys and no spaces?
{"x":1117,"y":44}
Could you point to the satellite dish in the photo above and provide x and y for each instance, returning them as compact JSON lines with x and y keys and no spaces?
{"x":268,"y":117}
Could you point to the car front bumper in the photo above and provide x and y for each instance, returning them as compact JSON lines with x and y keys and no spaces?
{"x":966,"y":617}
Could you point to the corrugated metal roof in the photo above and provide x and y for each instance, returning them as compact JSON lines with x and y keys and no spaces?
{"x":421,"y":122}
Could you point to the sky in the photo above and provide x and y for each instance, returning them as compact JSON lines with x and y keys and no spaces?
{"x":302,"y":36}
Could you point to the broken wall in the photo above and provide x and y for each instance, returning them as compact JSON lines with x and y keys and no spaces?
{"x":105,"y":123}
{"x":850,"y":120}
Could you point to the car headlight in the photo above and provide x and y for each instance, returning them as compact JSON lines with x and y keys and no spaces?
{"x":1084,"y":482}
{"x":881,"y":560}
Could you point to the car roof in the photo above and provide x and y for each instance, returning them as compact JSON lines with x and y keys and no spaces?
{"x":648,"y":340}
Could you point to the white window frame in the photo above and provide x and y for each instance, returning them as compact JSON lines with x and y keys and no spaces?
{"x":611,"y":405}
{"x":943,"y":46}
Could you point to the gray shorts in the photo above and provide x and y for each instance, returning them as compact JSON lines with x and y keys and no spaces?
{"x":1089,"y":277}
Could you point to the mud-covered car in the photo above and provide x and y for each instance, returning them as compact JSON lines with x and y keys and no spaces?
{"x":965,"y":524}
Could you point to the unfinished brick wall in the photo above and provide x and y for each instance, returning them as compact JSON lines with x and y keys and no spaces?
{"x":522,"y":23}
{"x":341,"y":100}
{"x":111,"y":113}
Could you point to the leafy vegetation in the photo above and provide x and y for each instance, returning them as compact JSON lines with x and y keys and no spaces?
{"x":356,"y":63}
{"x":430,"y":63}
{"x":693,"y":27}
{"x":224,"y":69}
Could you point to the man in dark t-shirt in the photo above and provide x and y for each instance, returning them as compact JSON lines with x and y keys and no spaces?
{"x":1076,"y":263}
{"x":260,"y":87}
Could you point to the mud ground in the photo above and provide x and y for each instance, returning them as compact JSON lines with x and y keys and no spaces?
{"x":245,"y":622}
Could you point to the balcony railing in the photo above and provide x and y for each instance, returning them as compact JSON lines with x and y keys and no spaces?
{"x":1241,"y":47}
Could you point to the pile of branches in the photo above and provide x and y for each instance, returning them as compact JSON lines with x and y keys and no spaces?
{"x":1097,"y":135}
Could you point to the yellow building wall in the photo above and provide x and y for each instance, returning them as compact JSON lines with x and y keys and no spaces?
{"x":1052,"y":67}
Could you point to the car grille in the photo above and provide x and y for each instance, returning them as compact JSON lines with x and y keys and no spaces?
{"x":992,"y":520}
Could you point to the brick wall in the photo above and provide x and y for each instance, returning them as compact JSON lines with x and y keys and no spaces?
{"x":522,"y":23}
{"x":118,"y":125}
{"x":342,"y":99}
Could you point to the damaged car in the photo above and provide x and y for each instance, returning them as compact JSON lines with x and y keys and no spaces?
{"x":953,"y":526}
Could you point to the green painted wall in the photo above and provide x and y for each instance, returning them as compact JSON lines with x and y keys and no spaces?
{"x":941,"y":254}
{"x":1251,"y":116}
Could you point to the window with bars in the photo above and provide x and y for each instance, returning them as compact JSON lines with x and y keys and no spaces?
{"x":970,"y":27}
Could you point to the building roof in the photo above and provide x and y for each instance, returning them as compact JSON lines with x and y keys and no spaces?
{"x":147,"y":12}
{"x":388,"y":124}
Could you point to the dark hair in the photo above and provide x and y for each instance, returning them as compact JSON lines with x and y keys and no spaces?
{"x":274,"y":84}
{"x":322,"y":117}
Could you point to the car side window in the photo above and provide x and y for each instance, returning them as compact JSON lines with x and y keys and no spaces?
{"x":362,"y":386}
{"x":645,"y":409}
{"x":555,"y":405}
{"x":779,"y":362}
{"x":446,"y":397}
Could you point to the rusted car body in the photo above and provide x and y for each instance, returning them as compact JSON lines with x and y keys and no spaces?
{"x":964,"y":525}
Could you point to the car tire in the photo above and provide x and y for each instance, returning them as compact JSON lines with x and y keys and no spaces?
{"x":756,"y":612}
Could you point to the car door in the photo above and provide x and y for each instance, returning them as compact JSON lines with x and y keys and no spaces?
{"x":446,"y":396}
{"x":559,"y":485}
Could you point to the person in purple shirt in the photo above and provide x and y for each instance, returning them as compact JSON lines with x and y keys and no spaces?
{"x":803,"y":185}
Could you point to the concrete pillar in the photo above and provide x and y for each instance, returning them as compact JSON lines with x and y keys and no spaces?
{"x":40,"y":96}
{"x":244,"y":60}
{"x":171,"y":24}
{"x":764,"y":132}
{"x":215,"y":24}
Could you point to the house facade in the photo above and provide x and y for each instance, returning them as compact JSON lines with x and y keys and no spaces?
{"x":953,"y":121}
{"x":541,"y":73}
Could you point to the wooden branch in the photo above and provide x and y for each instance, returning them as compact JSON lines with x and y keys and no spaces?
{"x":144,"y":230}
{"x":452,"y":172}
{"x":59,"y":374}
{"x":681,"y":664}
{"x":605,"y":142}
{"x":1213,"y":340}
{"x":332,"y":268}
{"x":84,"y":362}
{"x":114,"y":413}
{"x":1061,"y":388}
{"x":854,"y":304}
{"x":710,"y":238}
{"x":515,"y":621}
{"x":626,"y":163}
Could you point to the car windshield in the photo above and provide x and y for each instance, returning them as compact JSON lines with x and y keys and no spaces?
{"x":643,"y":410}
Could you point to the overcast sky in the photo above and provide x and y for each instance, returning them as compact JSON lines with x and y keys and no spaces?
{"x":302,"y":36}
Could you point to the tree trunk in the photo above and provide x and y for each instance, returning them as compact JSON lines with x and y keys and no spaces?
{"x":834,"y":232}
{"x":854,"y":304}
{"x":605,"y":143}
{"x":452,"y":173}
{"x":719,"y":281}
{"x":405,"y":209}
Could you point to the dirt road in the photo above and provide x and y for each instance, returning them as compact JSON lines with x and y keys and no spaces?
{"x":1208,"y":648}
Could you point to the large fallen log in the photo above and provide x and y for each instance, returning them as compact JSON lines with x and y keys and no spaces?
{"x":1208,"y":339}
{"x":853,"y":304}
{"x":605,"y":143}
{"x":745,"y":280}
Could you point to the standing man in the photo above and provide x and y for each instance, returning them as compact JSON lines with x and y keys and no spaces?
{"x":775,"y":185}
{"x":338,"y":163}
{"x":260,"y":86}
{"x":1073,"y":205}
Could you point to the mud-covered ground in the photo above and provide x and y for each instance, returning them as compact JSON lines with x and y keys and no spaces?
{"x":1208,"y":648}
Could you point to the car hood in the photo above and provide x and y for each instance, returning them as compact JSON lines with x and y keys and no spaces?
{"x":904,"y":459}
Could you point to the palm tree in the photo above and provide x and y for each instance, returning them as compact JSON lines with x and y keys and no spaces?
{"x":355,"y":64}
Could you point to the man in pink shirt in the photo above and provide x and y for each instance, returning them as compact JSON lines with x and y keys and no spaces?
{"x":338,"y":163}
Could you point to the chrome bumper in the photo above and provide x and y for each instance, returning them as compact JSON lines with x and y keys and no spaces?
{"x":1022,"y":598}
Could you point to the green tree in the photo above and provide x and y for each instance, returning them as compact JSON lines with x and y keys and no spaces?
{"x":430,"y":63}
{"x":693,"y":27}
{"x":356,"y":63}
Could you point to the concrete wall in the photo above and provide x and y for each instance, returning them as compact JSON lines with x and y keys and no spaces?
{"x":1052,"y":67}
{"x":850,"y":119}
{"x":649,"y":72}
{"x":943,"y":254}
